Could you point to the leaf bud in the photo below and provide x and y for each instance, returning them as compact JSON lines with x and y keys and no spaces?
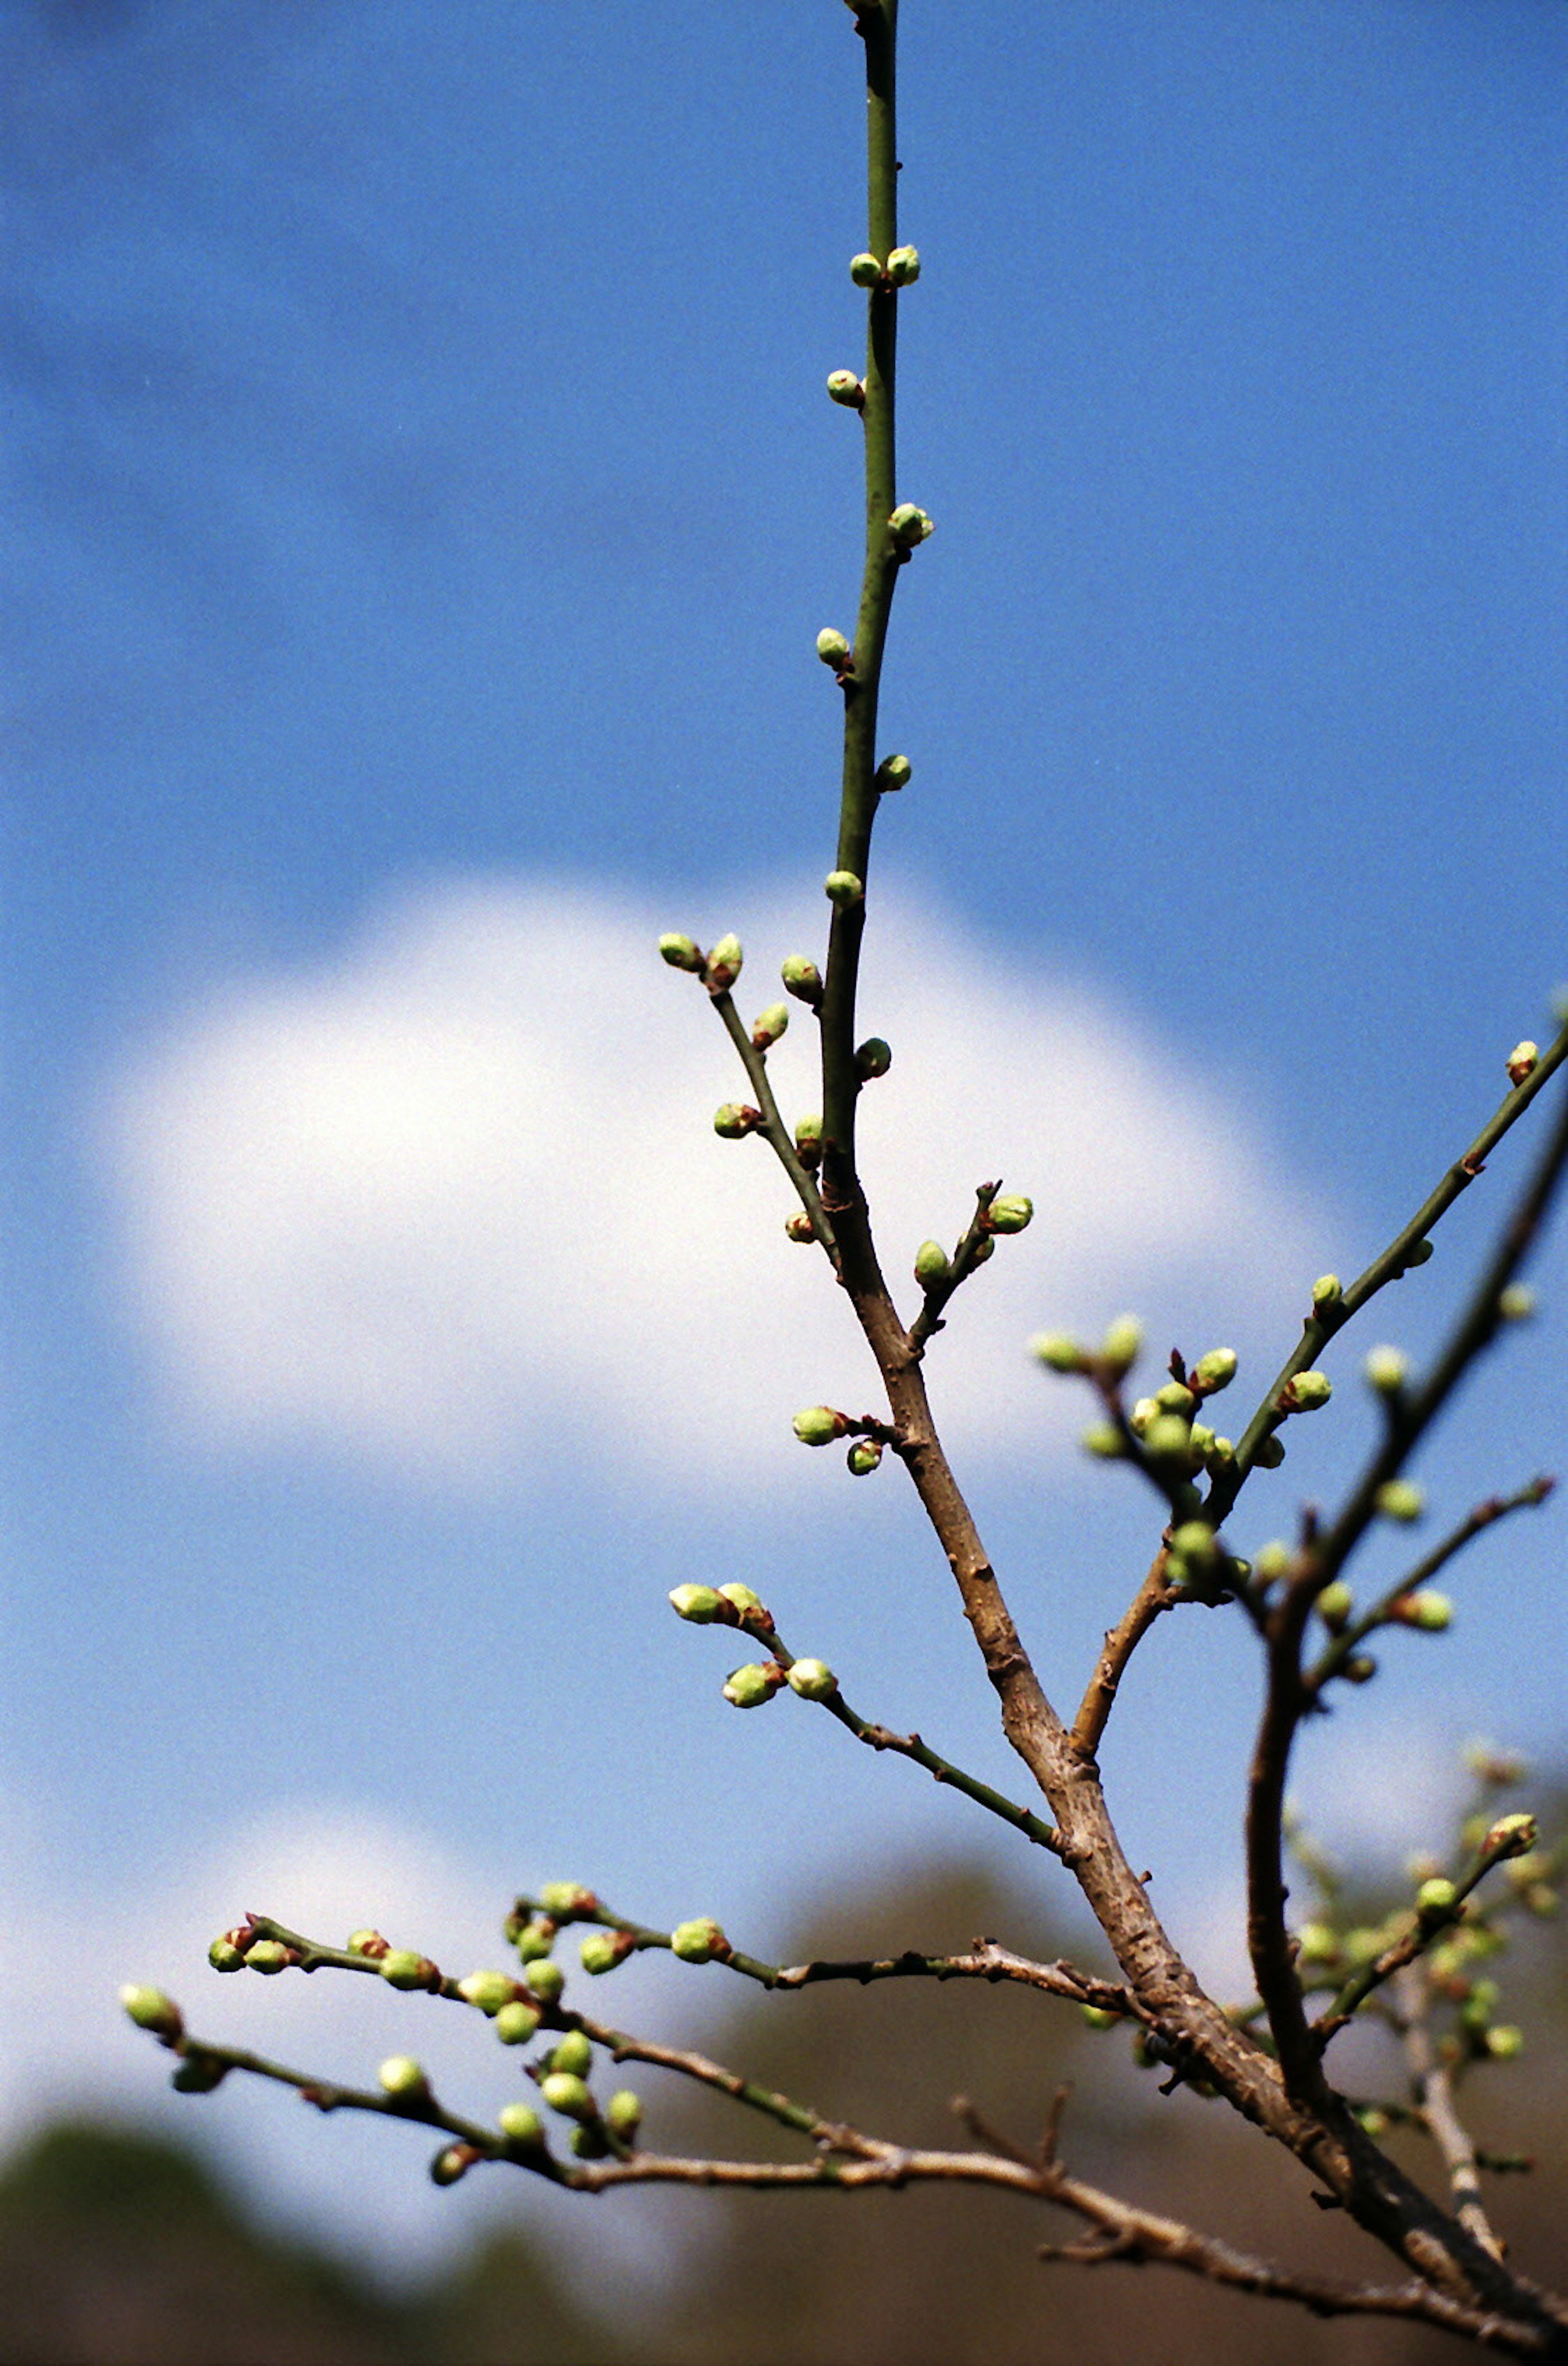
{"x":873,"y":1058}
{"x":813,"y":1679}
{"x":740,"y":1598}
{"x":622,"y":2114}
{"x":1167,"y":1438}
{"x":1010,"y":1213}
{"x":865,"y":271}
{"x":1270,"y":1452}
{"x":403,"y":2079}
{"x":150,"y":2008}
{"x":1516,"y":1303}
{"x":865,"y":1457}
{"x":1174,"y":1397}
{"x":1505,"y":2043}
{"x":269,"y":1956}
{"x":1104,"y":1440}
{"x":842,"y":889}
{"x":724,"y":963}
{"x":535,"y":1940}
{"x":735,"y":1120}
{"x":1306,"y":1392}
{"x":488,"y":1990}
{"x":1057,"y":1352}
{"x":1326,"y":1291}
{"x":801,"y":977}
{"x":799,"y":1227}
{"x":521,"y":2125}
{"x":820,"y":1426}
{"x":515,"y":2023}
{"x":565,"y":2092}
{"x":1429,"y":1611}
{"x":601,"y":1950}
{"x":1436,"y":1899}
{"x":1215,"y":1371}
{"x":931,"y":1264}
{"x":1335,"y":1604}
{"x":700,"y":1603}
{"x":699,"y":1942}
{"x":1400,"y":1499}
{"x":833,"y":649}
{"x":911,"y":525}
{"x":809,"y":1140}
{"x":680,"y":951}
{"x":892,"y":773}
{"x":1522,"y":1062}
{"x":453,"y":2162}
{"x":845,"y":386}
{"x":903,"y":266}
{"x":749,"y":1686}
{"x":546,"y":1977}
{"x":1385,"y":1369}
{"x":224,"y":1956}
{"x":401,"y":1967}
{"x":575,"y":2052}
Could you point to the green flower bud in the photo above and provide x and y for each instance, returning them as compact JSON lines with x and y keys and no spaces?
{"x":1010,"y":1213}
{"x":842,"y":889}
{"x":1104,"y":1440}
{"x":603,"y":1950}
{"x":515,"y":2023}
{"x":799,"y":1227}
{"x":622,"y":2114}
{"x":1174,"y":1398}
{"x":833,"y":649}
{"x":1436,"y":1899}
{"x":735,"y":1120}
{"x":224,"y":1956}
{"x":588,"y":2142}
{"x":453,"y":2162}
{"x":1143,"y":1413}
{"x":574,"y":2054}
{"x":845,"y":388}
{"x":1385,"y":1369}
{"x":1335,"y":1604}
{"x":1374,"y":2122}
{"x":740,"y":1598}
{"x":1517,"y":1302}
{"x":700,"y":1603}
{"x":801,"y":977}
{"x":1326,"y":1291}
{"x":401,"y":1967}
{"x":488,"y":1990}
{"x":681,"y":952}
{"x":903,"y":266}
{"x":535,"y":1940}
{"x":809,"y":1140}
{"x":1522,"y":1062}
{"x":1215,"y":1371}
{"x":1360,"y":1669}
{"x":1306,"y":1392}
{"x":403,"y":2079}
{"x":865,"y":271}
{"x":1364,"y":1946}
{"x":770,"y":1025}
{"x":698,"y":1941}
{"x":1511,"y":1836}
{"x":1316,"y":1943}
{"x":813,"y":1679}
{"x":1122,"y":1345}
{"x":521,"y":2125}
{"x":1167,"y":1438}
{"x":197,"y":2074}
{"x":1095,"y":2017}
{"x":865,"y":1457}
{"x":1429,"y":1611}
{"x":931,"y":1264}
{"x":1203,"y":1440}
{"x":911,"y":525}
{"x":1505,"y":2043}
{"x":1270,"y":1452}
{"x":1193,"y":1544}
{"x":820,"y":1426}
{"x":269,"y":1956}
{"x":893,"y":772}
{"x":723,"y":963}
{"x":150,"y":2008}
{"x":1400,"y":1499}
{"x":365,"y":1942}
{"x":1056,"y":1352}
{"x":1417,"y":1253}
{"x":749,"y":1686}
{"x":1274,"y":1560}
{"x":546,"y":1978}
{"x":873,"y":1058}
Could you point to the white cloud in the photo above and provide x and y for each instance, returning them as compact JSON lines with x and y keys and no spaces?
{"x":452,"y":1201}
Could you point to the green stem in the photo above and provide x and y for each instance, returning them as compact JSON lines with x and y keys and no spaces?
{"x":773,"y":1128}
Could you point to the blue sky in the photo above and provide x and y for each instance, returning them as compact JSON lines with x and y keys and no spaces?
{"x":422,"y":503}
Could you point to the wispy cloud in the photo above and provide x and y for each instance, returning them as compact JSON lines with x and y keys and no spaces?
{"x":452,"y":1201}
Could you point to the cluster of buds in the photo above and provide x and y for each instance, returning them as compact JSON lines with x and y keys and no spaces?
{"x":724,"y":1605}
{"x":901,"y":269}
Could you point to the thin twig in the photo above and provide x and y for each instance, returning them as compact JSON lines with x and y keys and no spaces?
{"x":1432,"y":2089}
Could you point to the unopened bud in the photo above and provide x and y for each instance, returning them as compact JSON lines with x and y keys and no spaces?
{"x":1436,"y":1899}
{"x":1360,"y":1669}
{"x":910,"y":525}
{"x":150,"y":2008}
{"x":601,"y":1950}
{"x":1145,"y":1410}
{"x":1511,"y":1836}
{"x":799,"y":1227}
{"x":521,"y":2125}
{"x":574,"y":2053}
{"x":1428,"y":1611}
{"x":1517,"y":1302}
{"x":809,"y":1140}
{"x":699,"y":1942}
{"x":903,"y":266}
{"x":865,"y":271}
{"x":1104,"y":1440}
{"x":1522,"y":1062}
{"x":681,"y":952}
{"x":560,"y":1899}
{"x":1215,"y":1371}
{"x":535,"y":1940}
{"x":488,"y":1991}
{"x":1193,"y":1545}
{"x":224,"y":1956}
{"x":546,"y":1978}
{"x":1274,"y":1560}
{"x":1306,"y":1392}
{"x":364,"y":1942}
{"x":516,"y":2023}
{"x":770,"y":1025}
{"x":402,"y":1967}
{"x":845,"y":388}
{"x":750,"y":1686}
{"x":865,"y":1457}
{"x":1417,"y":1253}
{"x":1385,"y":1369}
{"x":1203,"y":1440}
{"x":1057,"y":1352}
{"x":1326,"y":1291}
{"x":1335,"y":1603}
{"x":700,"y":1603}
{"x":1316,"y":1943}
{"x":1009,"y":1213}
{"x":197,"y":2073}
{"x":735,"y":1120}
{"x":842,"y":889}
{"x":801,"y":977}
{"x":566,"y":2093}
{"x":1505,"y":2043}
{"x":1270,"y":1452}
{"x":931,"y":1264}
{"x":1176,"y":1397}
{"x":722,"y":967}
{"x":1400,"y":1499}
{"x":820,"y":1426}
{"x":453,"y":2162}
{"x":813,"y":1679}
{"x":1167,"y":1438}
{"x":268,"y":1956}
{"x":740,"y":1598}
{"x":893,"y":772}
{"x":873,"y":1058}
{"x":1095,"y":2017}
{"x":833,"y":649}
{"x":1122,"y":1345}
{"x":622,"y":2114}
{"x":403,"y":2079}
